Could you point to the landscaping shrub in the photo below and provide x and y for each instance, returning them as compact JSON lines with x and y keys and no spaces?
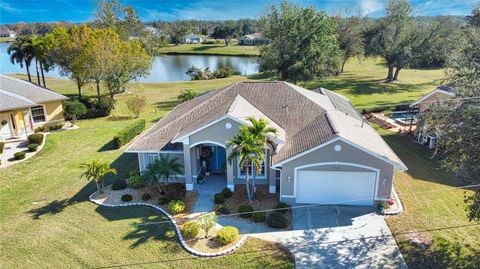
{"x":283,"y":206}
{"x":259,"y":216}
{"x":277,"y":220}
{"x":2,"y":147}
{"x":119,"y":184}
{"x":104,"y":106}
{"x":175,"y":191}
{"x":190,"y":229}
{"x":74,"y":110}
{"x":223,"y":72}
{"x":223,"y":210}
{"x":176,"y":206}
{"x":146,"y":196}
{"x":227,"y":235}
{"x":227,"y":193}
{"x":19,"y":155}
{"x":127,"y":134}
{"x":127,"y":198}
{"x":163,"y":201}
{"x":32,"y":147}
{"x":245,"y":211}
{"x":135,"y":180}
{"x":53,"y":127}
{"x":219,"y":198}
{"x":35,"y":139}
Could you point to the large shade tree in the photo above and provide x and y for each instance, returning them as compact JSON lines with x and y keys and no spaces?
{"x":350,"y":30}
{"x":457,"y":121}
{"x":303,"y":43}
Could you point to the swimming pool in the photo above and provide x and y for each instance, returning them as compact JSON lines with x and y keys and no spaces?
{"x":404,"y":117}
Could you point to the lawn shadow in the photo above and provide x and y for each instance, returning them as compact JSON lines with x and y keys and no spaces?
{"x":123,"y":164}
{"x":205,"y":48}
{"x":167,"y":105}
{"x":110,"y":145}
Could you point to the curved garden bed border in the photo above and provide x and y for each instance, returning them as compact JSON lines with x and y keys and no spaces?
{"x":28,"y":154}
{"x":184,"y":244}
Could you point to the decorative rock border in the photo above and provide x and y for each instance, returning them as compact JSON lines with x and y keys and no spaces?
{"x":28,"y":154}
{"x":184,"y":244}
{"x":398,"y":202}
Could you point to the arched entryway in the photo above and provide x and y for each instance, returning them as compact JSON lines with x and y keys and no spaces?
{"x":209,"y":160}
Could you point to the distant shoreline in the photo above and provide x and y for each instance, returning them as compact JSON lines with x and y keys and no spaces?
{"x":209,"y":54}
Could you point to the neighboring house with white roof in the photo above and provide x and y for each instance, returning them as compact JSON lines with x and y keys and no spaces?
{"x":193,"y":39}
{"x":25,"y":106}
{"x":7,"y":33}
{"x":252,"y":39}
{"x":443,"y":92}
{"x":324,"y":153}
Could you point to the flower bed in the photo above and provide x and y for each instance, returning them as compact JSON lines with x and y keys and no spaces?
{"x":263,"y":200}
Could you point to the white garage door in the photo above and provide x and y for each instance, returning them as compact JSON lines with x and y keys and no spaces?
{"x":322,"y":187}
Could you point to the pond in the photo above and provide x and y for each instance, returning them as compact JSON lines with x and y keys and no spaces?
{"x":165,"y":68}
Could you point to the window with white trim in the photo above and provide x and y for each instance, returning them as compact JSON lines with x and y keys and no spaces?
{"x":151,"y":158}
{"x":251,"y":169}
{"x":38,"y":114}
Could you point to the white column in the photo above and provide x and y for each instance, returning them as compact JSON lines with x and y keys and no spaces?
{"x":230,"y":183}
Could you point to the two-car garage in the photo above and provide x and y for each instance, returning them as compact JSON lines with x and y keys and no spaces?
{"x":335,"y":187}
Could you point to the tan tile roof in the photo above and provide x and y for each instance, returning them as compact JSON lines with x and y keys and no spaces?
{"x":308,"y":118}
{"x":17,"y":93}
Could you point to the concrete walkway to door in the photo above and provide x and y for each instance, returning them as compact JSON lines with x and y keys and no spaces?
{"x":206,"y":191}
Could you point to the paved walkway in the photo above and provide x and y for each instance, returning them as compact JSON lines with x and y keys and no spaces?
{"x":339,"y":237}
{"x":206,"y":191}
{"x":7,"y":158}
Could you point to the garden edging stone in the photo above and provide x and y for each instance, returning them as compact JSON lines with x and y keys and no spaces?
{"x":190,"y":250}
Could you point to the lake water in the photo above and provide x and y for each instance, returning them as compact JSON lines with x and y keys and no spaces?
{"x":164,"y":68}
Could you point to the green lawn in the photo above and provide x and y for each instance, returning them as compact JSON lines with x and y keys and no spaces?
{"x":47,"y":222}
{"x":363,"y":83}
{"x":214,"y":49}
{"x":457,"y":246}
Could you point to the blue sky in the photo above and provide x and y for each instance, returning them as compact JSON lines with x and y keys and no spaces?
{"x":12,"y":11}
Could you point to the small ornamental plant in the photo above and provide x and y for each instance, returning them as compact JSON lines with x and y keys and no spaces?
{"x":176,"y":206}
{"x":227,"y":235}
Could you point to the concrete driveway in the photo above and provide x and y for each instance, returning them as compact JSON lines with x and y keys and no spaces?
{"x":339,"y":237}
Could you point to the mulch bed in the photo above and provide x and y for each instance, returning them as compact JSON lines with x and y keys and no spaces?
{"x":263,"y":200}
{"x":209,"y":244}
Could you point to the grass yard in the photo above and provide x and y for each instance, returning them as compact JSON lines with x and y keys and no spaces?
{"x":47,"y":222}
{"x":457,"y":246}
{"x":213,"y":49}
{"x":362,"y":82}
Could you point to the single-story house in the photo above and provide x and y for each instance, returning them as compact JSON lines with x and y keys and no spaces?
{"x":25,"y":106}
{"x":442,"y":92}
{"x":7,"y":33}
{"x":252,"y":39}
{"x":193,"y":39}
{"x":324,"y":153}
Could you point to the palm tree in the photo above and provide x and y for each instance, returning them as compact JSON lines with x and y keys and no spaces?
{"x":96,"y":171}
{"x":20,"y":52}
{"x":261,"y":131}
{"x":164,"y":167}
{"x":246,"y":147}
{"x":40,"y":53}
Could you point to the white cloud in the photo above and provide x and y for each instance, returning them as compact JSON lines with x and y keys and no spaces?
{"x":370,"y":6}
{"x":7,"y":7}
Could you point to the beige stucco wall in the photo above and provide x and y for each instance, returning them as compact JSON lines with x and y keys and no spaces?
{"x":348,"y":154}
{"x":54,"y":113}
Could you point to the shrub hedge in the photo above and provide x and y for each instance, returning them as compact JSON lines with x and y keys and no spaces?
{"x":35,"y":139}
{"x":277,"y":220}
{"x":127,"y":198}
{"x":176,"y":206}
{"x":245,"y":211}
{"x":19,"y":155}
{"x":135,"y":180}
{"x":219,"y":198}
{"x":32,"y":147}
{"x":259,"y":216}
{"x":127,"y":134}
{"x":227,"y":193}
{"x":190,"y":229}
{"x":227,"y":235}
{"x":119,"y":184}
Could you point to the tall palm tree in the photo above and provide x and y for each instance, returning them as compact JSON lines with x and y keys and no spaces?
{"x":20,"y":52}
{"x":40,"y":53}
{"x":97,"y":171}
{"x":247,"y":148}
{"x":164,"y":168}
{"x":261,"y":130}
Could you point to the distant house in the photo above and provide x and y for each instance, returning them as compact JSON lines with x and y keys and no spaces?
{"x":252,"y":39}
{"x":7,"y":33}
{"x":193,"y":39}
{"x":25,"y":106}
{"x":442,"y":92}
{"x":152,"y":30}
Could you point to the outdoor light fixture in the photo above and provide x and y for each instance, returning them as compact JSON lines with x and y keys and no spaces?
{"x":384,"y":181}
{"x":289,"y":178}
